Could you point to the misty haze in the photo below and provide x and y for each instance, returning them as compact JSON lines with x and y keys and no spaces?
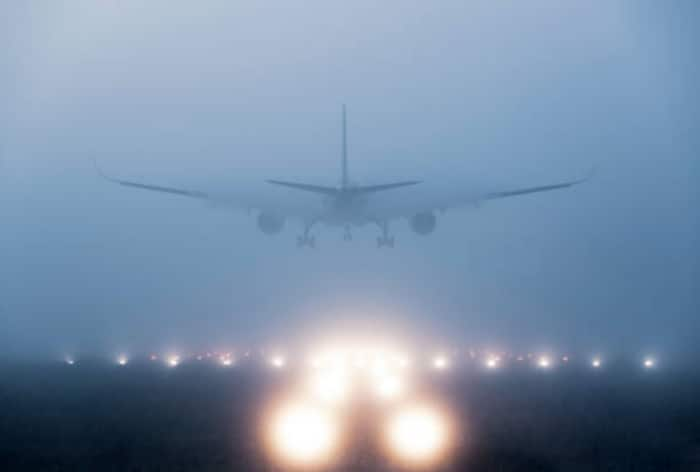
{"x":446,"y":102}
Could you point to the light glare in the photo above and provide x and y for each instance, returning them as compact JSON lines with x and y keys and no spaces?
{"x":417,"y":435}
{"x":304,"y":435}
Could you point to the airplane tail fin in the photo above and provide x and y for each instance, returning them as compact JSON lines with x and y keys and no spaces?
{"x":344,"y":179}
{"x":345,"y":187}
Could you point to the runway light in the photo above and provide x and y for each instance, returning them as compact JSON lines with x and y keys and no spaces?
{"x":596,"y":363}
{"x":544,"y":362}
{"x":173,"y":361}
{"x":417,"y":436}
{"x":389,"y":387}
{"x":440,"y":362}
{"x":70,"y":361}
{"x":492,"y":362}
{"x":649,"y":363}
{"x":278,"y":361}
{"x":303,"y":435}
{"x":226,"y":361}
{"x":122,"y":360}
{"x":330,"y":387}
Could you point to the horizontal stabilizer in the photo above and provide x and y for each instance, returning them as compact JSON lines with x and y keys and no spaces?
{"x":333,"y":191}
{"x":306,"y":187}
{"x":382,"y":187}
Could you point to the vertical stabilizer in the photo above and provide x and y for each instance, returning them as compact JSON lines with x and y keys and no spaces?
{"x":344,"y":166}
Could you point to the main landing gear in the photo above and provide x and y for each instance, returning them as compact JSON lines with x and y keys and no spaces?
{"x":307,"y":240}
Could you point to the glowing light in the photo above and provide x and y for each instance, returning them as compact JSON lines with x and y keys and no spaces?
{"x":544,"y":362}
{"x":173,"y":361}
{"x":226,"y":361}
{"x":441,"y":362}
{"x":649,"y":363}
{"x":565,"y":358}
{"x":389,"y":387}
{"x":330,"y":386}
{"x":122,"y":360}
{"x":402,"y":362}
{"x":492,"y":362}
{"x":69,"y":361}
{"x":304,"y":435}
{"x":417,"y":435}
{"x":596,"y":363}
{"x":154,"y":357}
{"x":278,"y":361}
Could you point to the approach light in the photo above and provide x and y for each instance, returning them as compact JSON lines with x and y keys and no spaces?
{"x":173,"y":361}
{"x":226,"y":361}
{"x":278,"y":361}
{"x":649,"y":363}
{"x":440,"y":362}
{"x":69,"y":361}
{"x":492,"y":362}
{"x":303,"y":435}
{"x":122,"y":360}
{"x":389,"y":386}
{"x":417,"y":436}
{"x":596,"y":363}
{"x":544,"y":362}
{"x":330,"y":387}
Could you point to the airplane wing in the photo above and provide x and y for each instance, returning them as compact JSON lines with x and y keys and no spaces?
{"x":402,"y":204}
{"x":528,"y":190}
{"x":304,"y":210}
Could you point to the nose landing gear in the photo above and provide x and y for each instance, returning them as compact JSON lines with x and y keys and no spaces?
{"x":385,"y":240}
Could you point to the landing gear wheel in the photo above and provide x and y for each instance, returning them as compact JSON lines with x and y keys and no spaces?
{"x":383,"y":241}
{"x":309,"y":241}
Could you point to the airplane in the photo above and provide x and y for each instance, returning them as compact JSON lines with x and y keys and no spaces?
{"x":345,"y":205}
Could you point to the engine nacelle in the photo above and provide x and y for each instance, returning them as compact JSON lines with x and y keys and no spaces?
{"x":424,"y":223}
{"x":270,"y":223}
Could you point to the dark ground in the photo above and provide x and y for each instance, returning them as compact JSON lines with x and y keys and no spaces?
{"x":145,"y":417}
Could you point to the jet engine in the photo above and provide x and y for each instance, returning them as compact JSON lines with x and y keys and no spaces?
{"x":270,"y":223}
{"x":423,"y":223}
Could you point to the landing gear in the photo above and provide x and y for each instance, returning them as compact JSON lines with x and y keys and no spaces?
{"x":385,"y":240}
{"x":306,"y":239}
{"x":347,"y":235}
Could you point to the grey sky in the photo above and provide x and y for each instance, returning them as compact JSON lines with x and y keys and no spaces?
{"x":221,"y":95}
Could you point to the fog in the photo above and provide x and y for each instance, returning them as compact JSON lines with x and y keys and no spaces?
{"x":220,"y":96}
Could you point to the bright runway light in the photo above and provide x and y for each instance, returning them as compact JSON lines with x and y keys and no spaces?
{"x":544,"y":362}
{"x":596,"y":363}
{"x":69,"y":361}
{"x":173,"y":361}
{"x":649,"y":363}
{"x":278,"y":361}
{"x":389,"y":387}
{"x":441,"y":362}
{"x":330,"y":387}
{"x":303,"y":435}
{"x":226,"y":361}
{"x":418,"y":435}
{"x":492,"y":362}
{"x":122,"y":360}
